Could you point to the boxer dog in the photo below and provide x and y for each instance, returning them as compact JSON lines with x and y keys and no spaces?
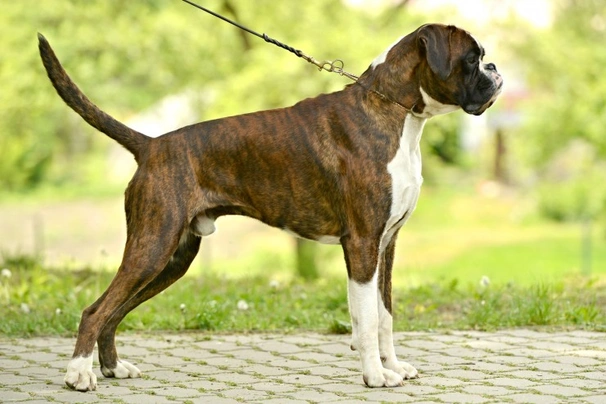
{"x":341,"y":168}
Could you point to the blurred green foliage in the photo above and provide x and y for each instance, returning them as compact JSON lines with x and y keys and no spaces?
{"x":567,"y":107}
{"x":128,"y":55}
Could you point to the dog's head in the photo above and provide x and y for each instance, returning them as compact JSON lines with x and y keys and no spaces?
{"x":441,"y":62}
{"x":456,"y":71}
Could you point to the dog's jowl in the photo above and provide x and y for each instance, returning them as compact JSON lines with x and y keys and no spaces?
{"x":340,"y":168}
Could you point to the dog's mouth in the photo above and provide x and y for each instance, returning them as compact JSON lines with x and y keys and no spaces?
{"x":479,"y":109}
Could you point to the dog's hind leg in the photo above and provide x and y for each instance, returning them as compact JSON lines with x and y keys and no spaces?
{"x":154,"y":227}
{"x":111,"y":364}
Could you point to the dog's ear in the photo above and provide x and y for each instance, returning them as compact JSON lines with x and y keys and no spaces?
{"x":436,"y":44}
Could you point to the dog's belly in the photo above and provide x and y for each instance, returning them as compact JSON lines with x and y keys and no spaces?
{"x":323,"y":239}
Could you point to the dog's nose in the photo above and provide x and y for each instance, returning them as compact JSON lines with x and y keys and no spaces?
{"x":491,"y":67}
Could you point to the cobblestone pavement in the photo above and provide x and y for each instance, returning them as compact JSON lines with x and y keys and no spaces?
{"x":519,"y":366}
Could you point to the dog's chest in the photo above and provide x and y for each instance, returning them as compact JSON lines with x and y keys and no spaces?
{"x":406,"y":177}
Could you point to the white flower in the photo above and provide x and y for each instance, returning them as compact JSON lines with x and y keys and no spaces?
{"x":25,"y":308}
{"x":242,"y":305}
{"x":485,"y":281}
{"x":182,"y":307}
{"x":274,"y":284}
{"x":58,"y":312}
{"x":6,"y":273}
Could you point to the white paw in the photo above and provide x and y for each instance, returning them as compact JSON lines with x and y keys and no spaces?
{"x":383,"y":378}
{"x":404,"y":369}
{"x":123,"y":370}
{"x":79,"y":375}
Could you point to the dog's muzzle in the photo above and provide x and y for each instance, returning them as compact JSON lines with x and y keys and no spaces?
{"x":492,"y":89}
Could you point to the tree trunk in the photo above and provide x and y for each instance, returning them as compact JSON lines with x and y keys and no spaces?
{"x":306,"y":259}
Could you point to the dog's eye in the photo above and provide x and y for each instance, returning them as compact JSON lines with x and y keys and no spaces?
{"x":472,"y":60}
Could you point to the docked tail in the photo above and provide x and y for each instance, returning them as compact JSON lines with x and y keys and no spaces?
{"x":132,"y":140}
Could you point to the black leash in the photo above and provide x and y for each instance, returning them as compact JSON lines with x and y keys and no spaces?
{"x":335,"y":66}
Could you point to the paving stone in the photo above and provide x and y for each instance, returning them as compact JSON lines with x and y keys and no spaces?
{"x":448,"y":360}
{"x":345,"y":388}
{"x":14,"y":380}
{"x":534,"y":375}
{"x":460,"y":398}
{"x":208,"y":385}
{"x":274,"y":387}
{"x":583,"y":383}
{"x":244,"y":395}
{"x":225,"y":362}
{"x":214,"y":400}
{"x":426,"y":345}
{"x":283,"y":401}
{"x":516,"y":383}
{"x":466,"y":374}
{"x":530,"y":353}
{"x":254,"y":355}
{"x":332,"y":371}
{"x":32,"y":401}
{"x":512,"y":360}
{"x":594,"y":375}
{"x":554,"y":346}
{"x":314,"y":357}
{"x":597,"y":354}
{"x":554,"y":389}
{"x":384,"y":395}
{"x":10,"y":395}
{"x":486,"y":344}
{"x":556,"y":367}
{"x":335,"y":349}
{"x":491,"y":368}
{"x":577,"y":360}
{"x":414,"y":389}
{"x":528,"y":398}
{"x":317,"y":396}
{"x":280,"y":347}
{"x":448,"y":338}
{"x":440,"y":381}
{"x":262,"y":370}
{"x":237,"y":378}
{"x":303,"y":379}
{"x":40,"y":388}
{"x":462,"y":352}
{"x":171,"y":376}
{"x":67,"y":396}
{"x":7,"y":364}
{"x":525,"y":366}
{"x":484,"y":390}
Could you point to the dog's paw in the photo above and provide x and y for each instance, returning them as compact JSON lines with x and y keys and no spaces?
{"x":383,"y":378}
{"x":123,"y":370}
{"x":404,"y":369}
{"x":79,"y":375}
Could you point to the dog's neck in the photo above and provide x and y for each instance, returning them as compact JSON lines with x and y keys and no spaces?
{"x":402,"y":88}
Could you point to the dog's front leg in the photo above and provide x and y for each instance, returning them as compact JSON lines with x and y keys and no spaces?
{"x":362,"y":258}
{"x":386,"y":345}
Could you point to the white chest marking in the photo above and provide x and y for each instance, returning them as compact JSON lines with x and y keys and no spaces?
{"x":406,"y":177}
{"x":433,"y":107}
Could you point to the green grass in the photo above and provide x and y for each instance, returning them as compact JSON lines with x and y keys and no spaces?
{"x":453,"y":240}
{"x":43,"y":301}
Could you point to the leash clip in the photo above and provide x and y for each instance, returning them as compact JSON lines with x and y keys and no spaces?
{"x":335,"y":66}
